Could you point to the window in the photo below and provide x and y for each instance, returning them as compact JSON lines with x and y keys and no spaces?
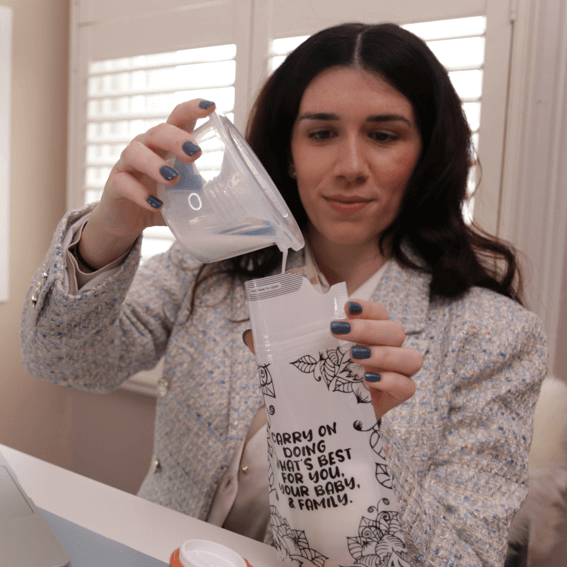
{"x":459,"y":45}
{"x":128,"y":95}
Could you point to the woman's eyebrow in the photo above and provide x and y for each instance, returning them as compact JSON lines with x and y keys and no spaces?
{"x":372,"y":118}
{"x":388,"y":118}
{"x":319,"y":116}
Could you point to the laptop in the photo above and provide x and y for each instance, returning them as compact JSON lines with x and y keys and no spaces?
{"x":25,"y":537}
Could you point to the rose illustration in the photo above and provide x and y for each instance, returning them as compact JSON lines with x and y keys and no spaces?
{"x":337,"y":371}
{"x":380,"y":540}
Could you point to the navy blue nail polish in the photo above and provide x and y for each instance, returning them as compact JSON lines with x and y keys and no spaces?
{"x":354,"y":308}
{"x":371,"y":377}
{"x":168,"y":172}
{"x":154,"y":202}
{"x":190,"y":148}
{"x":360,"y":352}
{"x":340,"y":327}
{"x":205,"y":104}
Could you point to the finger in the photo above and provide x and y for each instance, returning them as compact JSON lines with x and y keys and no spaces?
{"x":186,"y":114}
{"x":248,"y":340}
{"x":138,"y":158}
{"x":406,"y":361}
{"x":147,"y":152}
{"x":391,"y":384}
{"x":369,"y":332}
{"x":131,"y":188}
{"x":165,"y":139}
{"x":361,"y":309}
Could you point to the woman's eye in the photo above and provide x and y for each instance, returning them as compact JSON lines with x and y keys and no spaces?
{"x":321,"y":135}
{"x":383,"y":137}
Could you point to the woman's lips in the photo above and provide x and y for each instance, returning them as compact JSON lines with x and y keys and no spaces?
{"x":347,"y":207}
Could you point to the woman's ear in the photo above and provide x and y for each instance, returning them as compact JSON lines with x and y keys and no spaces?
{"x":291,"y":170}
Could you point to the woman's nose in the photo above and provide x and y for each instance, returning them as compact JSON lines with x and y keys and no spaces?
{"x":351,"y":163}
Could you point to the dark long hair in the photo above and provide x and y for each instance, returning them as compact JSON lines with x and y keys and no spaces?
{"x":430,"y":220}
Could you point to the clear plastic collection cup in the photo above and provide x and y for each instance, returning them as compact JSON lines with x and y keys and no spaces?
{"x":225,"y":203}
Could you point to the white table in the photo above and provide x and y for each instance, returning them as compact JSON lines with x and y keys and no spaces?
{"x":128,"y":519}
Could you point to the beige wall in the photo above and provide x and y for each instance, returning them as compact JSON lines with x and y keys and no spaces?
{"x":108,"y":438}
{"x":34,"y":416}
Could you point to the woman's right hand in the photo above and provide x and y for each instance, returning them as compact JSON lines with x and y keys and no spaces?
{"x":129,"y":202}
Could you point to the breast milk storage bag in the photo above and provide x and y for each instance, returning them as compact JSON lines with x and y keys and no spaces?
{"x":330,"y":493}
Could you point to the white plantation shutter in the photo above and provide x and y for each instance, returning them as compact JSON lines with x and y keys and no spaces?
{"x":128,"y":95}
{"x":280,"y":48}
{"x":132,"y":63}
{"x":459,"y":44}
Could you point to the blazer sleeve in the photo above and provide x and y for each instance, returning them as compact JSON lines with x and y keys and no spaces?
{"x":97,"y":339}
{"x":457,"y":503}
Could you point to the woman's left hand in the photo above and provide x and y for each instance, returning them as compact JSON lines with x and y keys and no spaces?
{"x":388,"y":365}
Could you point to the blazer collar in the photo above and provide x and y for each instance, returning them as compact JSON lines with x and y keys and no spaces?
{"x":404,"y":292}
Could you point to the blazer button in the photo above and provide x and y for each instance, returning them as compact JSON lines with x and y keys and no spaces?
{"x":162,"y":388}
{"x":37,"y":289}
{"x":156,"y":465}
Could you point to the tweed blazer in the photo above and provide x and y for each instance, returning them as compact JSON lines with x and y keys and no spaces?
{"x":457,"y":451}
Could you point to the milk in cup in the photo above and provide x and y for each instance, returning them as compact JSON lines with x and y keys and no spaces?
{"x":225,"y":204}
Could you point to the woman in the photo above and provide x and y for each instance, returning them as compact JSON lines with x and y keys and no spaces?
{"x":364,"y":135}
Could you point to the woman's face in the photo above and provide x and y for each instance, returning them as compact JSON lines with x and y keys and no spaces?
{"x":354,"y":145}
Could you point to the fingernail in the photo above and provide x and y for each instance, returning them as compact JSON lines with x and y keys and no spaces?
{"x":244,"y":335}
{"x":154,"y":202}
{"x":371,"y":377}
{"x":340,"y":327}
{"x":190,"y":148}
{"x":205,"y":104}
{"x":360,"y":352}
{"x":354,"y":308}
{"x":168,"y":172}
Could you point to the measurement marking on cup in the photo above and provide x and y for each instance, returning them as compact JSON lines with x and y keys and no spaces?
{"x":199,"y":203}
